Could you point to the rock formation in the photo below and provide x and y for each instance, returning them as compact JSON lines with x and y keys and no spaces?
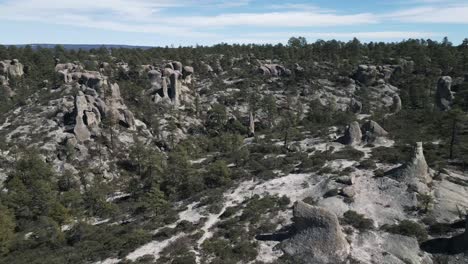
{"x":251,"y":125}
{"x":81,"y":108}
{"x":396,"y":106}
{"x":366,"y":75}
{"x":168,"y":84}
{"x":444,"y":96}
{"x":353,"y":135}
{"x":274,"y":70}
{"x":10,"y":69}
{"x":355,"y":106}
{"x":415,"y":172}
{"x":373,"y":128}
{"x":318,"y":237}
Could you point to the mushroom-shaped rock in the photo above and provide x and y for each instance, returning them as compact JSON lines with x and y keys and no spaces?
{"x":187,"y":71}
{"x":155,"y":78}
{"x":444,"y":96}
{"x":176,"y":65}
{"x":353,"y":135}
{"x":318,"y":237}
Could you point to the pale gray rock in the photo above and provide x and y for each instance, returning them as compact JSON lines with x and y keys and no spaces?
{"x":15,"y":69}
{"x":415,"y":172}
{"x":251,"y":125}
{"x":355,"y":106}
{"x":450,"y":198}
{"x":353,"y":135}
{"x":374,"y":129}
{"x":318,"y":238}
{"x":348,"y":180}
{"x":80,"y":130}
{"x":177,"y":65}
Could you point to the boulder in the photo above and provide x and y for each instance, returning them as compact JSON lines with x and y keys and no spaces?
{"x":176,"y":65}
{"x":188,"y":70}
{"x":355,"y":106}
{"x":374,"y":129}
{"x":444,"y":95}
{"x":92,"y":80}
{"x":353,"y":135}
{"x":318,"y":237}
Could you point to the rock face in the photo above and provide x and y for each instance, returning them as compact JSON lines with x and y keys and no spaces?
{"x":353,"y":135}
{"x":415,"y":172}
{"x":444,"y":96}
{"x":81,"y":108}
{"x":318,"y":237}
{"x":10,"y":69}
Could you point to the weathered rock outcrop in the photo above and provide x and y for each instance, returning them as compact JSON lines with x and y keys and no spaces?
{"x":251,"y":125}
{"x":373,"y":128}
{"x":355,"y":106}
{"x":366,"y":75}
{"x":168,"y":84}
{"x":274,"y":70}
{"x":415,"y":172}
{"x":81,"y":130}
{"x":396,"y":106}
{"x":444,"y":96}
{"x":11,"y":68}
{"x":352,"y":136}
{"x":318,"y":237}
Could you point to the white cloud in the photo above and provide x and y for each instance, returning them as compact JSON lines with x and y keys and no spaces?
{"x":282,"y":37}
{"x":447,"y":14}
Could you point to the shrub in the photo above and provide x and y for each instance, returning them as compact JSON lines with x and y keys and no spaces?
{"x":348,"y":153}
{"x":407,"y":228}
{"x":358,"y":221}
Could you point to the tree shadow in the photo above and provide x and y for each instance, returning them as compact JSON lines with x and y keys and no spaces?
{"x":280,"y":235}
{"x":450,"y":246}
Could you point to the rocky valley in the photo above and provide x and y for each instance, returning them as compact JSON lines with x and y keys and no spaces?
{"x":328,"y":152}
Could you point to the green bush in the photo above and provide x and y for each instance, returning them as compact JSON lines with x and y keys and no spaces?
{"x":407,"y":228}
{"x":358,"y":221}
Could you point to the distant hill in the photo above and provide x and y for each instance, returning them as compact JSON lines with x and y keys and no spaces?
{"x":82,"y":46}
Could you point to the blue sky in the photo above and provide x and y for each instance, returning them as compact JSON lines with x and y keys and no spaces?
{"x":206,"y":22}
